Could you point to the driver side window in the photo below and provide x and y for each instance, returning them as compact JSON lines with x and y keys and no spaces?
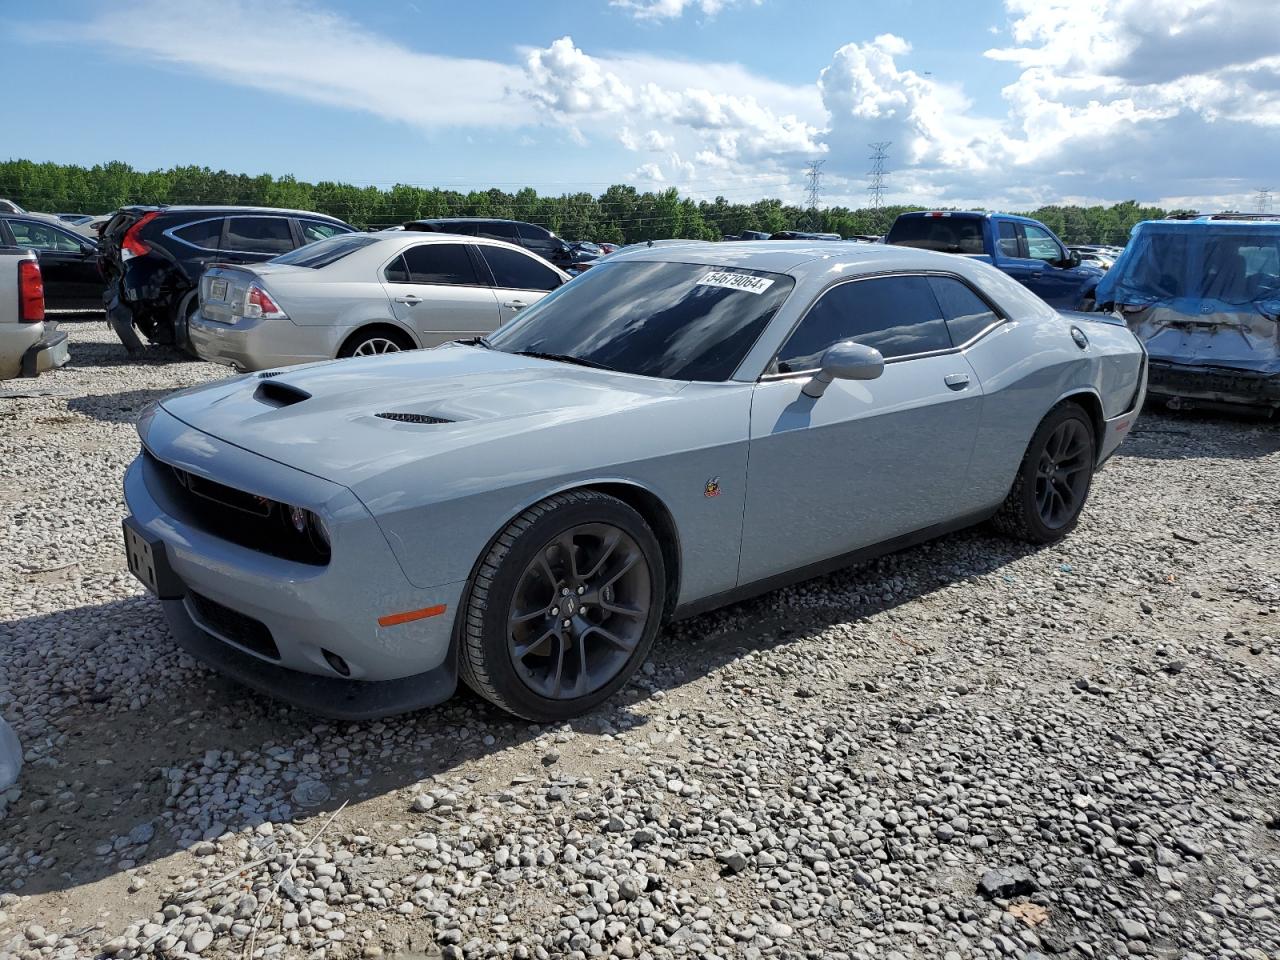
{"x":1041,"y":245}
{"x":899,"y":316}
{"x":39,"y":236}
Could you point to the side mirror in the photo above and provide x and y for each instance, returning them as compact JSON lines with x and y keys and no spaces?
{"x":1072,"y":260}
{"x":845,"y":360}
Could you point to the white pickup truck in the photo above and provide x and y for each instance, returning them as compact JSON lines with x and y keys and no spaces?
{"x":29,"y":344}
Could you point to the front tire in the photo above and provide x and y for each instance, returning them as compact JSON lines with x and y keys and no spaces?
{"x":564,"y":607}
{"x":1053,"y":479}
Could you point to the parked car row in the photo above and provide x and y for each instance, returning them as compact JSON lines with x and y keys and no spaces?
{"x":678,"y":427}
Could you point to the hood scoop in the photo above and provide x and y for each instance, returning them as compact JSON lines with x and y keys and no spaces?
{"x":279,"y":394}
{"x":412,"y":418}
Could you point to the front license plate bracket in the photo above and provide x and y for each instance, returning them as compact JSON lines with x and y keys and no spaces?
{"x":149,"y":562}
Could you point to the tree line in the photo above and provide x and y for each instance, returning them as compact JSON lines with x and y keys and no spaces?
{"x":621,"y":214}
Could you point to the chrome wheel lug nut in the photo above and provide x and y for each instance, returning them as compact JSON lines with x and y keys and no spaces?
{"x":568,"y":622}
{"x":555,"y":611}
{"x":564,"y":592}
{"x":581,"y":591}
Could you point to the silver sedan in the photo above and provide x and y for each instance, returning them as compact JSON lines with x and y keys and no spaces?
{"x":363,"y":294}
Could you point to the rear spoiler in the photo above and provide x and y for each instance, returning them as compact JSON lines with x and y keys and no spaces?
{"x":1114,"y":319}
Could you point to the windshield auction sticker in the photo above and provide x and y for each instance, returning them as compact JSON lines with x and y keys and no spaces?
{"x":736,"y":281}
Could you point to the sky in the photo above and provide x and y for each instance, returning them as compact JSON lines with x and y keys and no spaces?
{"x":998,"y":103}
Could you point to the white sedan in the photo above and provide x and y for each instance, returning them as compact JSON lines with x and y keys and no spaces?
{"x":362,"y":294}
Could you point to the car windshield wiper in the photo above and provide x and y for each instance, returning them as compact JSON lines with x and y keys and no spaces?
{"x":562,"y":358}
{"x":477,"y":342}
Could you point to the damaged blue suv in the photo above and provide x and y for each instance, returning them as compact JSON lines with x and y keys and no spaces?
{"x":1203,"y":295}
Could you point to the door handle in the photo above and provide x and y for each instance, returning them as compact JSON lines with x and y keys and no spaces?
{"x":410,"y":299}
{"x":956,"y":381}
{"x":515,"y":304}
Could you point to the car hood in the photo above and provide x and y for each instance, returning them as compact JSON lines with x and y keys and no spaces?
{"x":330,"y":419}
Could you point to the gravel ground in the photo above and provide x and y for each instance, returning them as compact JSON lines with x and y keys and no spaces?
{"x":971,"y":749}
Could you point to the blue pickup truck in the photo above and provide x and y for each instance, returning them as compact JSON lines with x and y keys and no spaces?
{"x":1025,"y":249}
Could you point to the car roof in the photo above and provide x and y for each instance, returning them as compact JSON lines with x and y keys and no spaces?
{"x":468,"y":220}
{"x":968,"y":214}
{"x":799,"y":257}
{"x":400,"y":239}
{"x":230,"y":208}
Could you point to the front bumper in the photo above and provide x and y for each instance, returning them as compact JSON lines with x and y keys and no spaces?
{"x":276,"y":624}
{"x":260,"y":344}
{"x":1190,"y":385}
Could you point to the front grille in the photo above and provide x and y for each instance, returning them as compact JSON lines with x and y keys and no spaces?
{"x":246,"y":519}
{"x":240,"y":629}
{"x":412,"y":418}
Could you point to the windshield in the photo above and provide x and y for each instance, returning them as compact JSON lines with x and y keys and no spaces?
{"x":678,"y":321}
{"x":1234,"y":265}
{"x":324,"y":252}
{"x":945,"y":234}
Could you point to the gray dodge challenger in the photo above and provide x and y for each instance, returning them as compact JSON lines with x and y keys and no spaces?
{"x":676,"y":429}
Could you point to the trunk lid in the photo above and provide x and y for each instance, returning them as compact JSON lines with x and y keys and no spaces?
{"x":1208,"y":332}
{"x":224,"y":288}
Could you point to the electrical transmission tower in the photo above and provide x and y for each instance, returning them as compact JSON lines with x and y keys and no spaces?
{"x":813,"y":193}
{"x":877,"y":174}
{"x":1263,"y":200}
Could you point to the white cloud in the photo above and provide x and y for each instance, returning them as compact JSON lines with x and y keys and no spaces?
{"x":564,"y":78}
{"x":579,"y":88}
{"x":673,"y":9}
{"x":293,"y":48}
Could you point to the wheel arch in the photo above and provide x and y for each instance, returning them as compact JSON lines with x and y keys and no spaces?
{"x":382,"y":323}
{"x":1092,"y":405}
{"x":652,"y":509}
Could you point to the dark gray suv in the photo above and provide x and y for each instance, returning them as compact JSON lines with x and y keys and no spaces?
{"x":532,"y":237}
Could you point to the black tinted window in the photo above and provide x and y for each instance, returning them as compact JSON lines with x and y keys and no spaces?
{"x":498,"y":231}
{"x":945,"y":233}
{"x":441,"y":263}
{"x":206,"y":233}
{"x":966,"y":313}
{"x":259,"y":235}
{"x":898,"y":316}
{"x":519,"y":271}
{"x":530,"y":232}
{"x":1009,"y":239}
{"x":680,"y":321}
{"x":396,"y":271}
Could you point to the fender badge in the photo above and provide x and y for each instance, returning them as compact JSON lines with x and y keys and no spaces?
{"x":712,"y":489}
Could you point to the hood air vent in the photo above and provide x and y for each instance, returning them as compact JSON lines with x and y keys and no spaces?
{"x":267,"y":375}
{"x":412,"y":418}
{"x":279,"y":394}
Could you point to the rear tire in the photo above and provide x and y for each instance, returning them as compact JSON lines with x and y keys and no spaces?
{"x":187,"y":308}
{"x":564,"y":607}
{"x":1053,"y":479}
{"x":373,"y":341}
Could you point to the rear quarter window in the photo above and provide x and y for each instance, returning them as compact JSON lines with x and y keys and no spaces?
{"x":205,"y":234}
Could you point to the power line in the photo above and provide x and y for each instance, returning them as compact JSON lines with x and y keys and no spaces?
{"x":1263,"y":200}
{"x":878,"y":174}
